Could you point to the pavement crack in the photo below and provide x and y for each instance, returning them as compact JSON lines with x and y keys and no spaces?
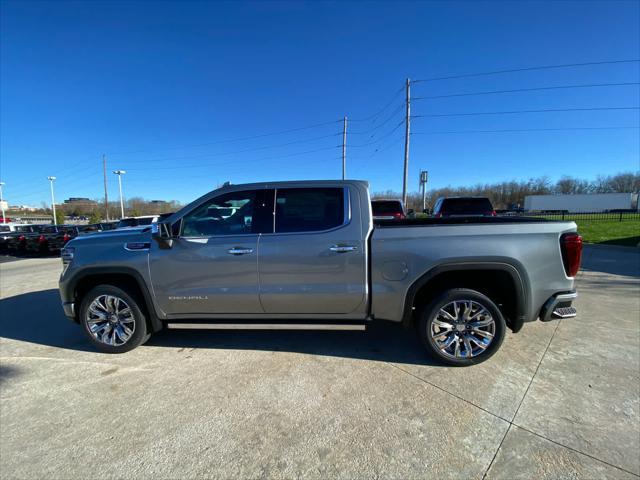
{"x":575,"y":450}
{"x":544,"y":354}
{"x":449,"y":393}
{"x":486,"y":472}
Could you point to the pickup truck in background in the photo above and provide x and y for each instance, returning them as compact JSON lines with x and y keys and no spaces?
{"x":308,"y":255}
{"x":16,"y":240}
{"x":463,"y":207}
{"x":388,"y":209}
{"x":50,"y":238}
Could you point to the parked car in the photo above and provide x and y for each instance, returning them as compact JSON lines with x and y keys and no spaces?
{"x":52,"y":238}
{"x":105,"y":226}
{"x":388,"y":210}
{"x":16,"y":241}
{"x":7,"y":227}
{"x":463,"y":207}
{"x":321,"y":262}
{"x":137,"y":221}
{"x":6,"y":232}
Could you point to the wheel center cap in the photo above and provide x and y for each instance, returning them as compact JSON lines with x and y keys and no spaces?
{"x":112,"y":318}
{"x":461,"y":327}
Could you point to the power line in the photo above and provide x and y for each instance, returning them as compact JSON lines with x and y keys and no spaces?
{"x":379,"y":139}
{"x":207,"y":155}
{"x":209,"y":165}
{"x":231,"y":140}
{"x":381,"y":124}
{"x":525,"y":69}
{"x":524,"y":130}
{"x":526,"y":111}
{"x":558,"y":87}
{"x":370,"y":117}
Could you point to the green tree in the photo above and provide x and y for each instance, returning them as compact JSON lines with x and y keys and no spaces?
{"x":59,"y":217}
{"x":95,"y":217}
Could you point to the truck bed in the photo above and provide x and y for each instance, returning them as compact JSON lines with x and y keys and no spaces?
{"x":402,"y":250}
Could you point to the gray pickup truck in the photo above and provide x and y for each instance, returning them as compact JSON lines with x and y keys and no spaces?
{"x":308,"y":255}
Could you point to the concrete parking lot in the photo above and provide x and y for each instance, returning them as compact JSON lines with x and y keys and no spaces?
{"x":560,"y":400}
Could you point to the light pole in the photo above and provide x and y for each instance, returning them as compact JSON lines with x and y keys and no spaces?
{"x":2,"y":203}
{"x":120,"y":173}
{"x":53,"y":200}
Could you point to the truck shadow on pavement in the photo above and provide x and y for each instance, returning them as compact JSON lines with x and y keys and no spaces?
{"x":37,"y":317}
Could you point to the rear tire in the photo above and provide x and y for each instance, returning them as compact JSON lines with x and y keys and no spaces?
{"x":113,"y":319}
{"x":462,"y":327}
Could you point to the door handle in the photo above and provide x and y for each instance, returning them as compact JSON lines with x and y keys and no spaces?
{"x":343,"y":248}
{"x":239,"y":251}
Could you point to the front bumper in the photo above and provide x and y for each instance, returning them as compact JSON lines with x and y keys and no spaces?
{"x":559,"y":306}
{"x":69,"y":310}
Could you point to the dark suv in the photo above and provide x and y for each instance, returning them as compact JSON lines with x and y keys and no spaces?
{"x":463,"y":207}
{"x":387,"y":210}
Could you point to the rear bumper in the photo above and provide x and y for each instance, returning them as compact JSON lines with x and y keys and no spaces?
{"x":559,"y":306}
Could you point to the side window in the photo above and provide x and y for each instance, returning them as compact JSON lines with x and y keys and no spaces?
{"x":234,"y":213}
{"x":309,"y":209}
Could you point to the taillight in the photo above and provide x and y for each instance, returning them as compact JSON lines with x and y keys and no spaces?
{"x":571,"y":247}
{"x":66,"y":238}
{"x":21,"y":238}
{"x":41,"y":239}
{"x":399,"y":215}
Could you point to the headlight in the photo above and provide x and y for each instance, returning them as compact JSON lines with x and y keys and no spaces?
{"x":67,"y":254}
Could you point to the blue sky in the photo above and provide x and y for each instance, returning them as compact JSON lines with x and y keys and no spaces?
{"x":164,"y":88}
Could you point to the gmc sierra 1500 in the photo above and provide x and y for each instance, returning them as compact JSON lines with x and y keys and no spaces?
{"x":308,"y":255}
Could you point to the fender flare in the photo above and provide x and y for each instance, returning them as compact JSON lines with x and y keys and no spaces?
{"x":154,"y":319}
{"x":520,"y":281}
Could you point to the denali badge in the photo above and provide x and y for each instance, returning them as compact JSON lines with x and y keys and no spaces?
{"x":190,"y":297}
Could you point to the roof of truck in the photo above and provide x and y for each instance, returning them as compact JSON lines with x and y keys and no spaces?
{"x":291,"y":183}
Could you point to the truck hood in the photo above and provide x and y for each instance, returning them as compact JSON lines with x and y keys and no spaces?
{"x":132,"y":234}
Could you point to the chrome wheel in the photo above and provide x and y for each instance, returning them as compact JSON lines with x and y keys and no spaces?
{"x":463,"y":329}
{"x":110,"y":320}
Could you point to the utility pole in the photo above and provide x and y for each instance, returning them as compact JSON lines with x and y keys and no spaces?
{"x":344,"y":148}
{"x":120,"y":173}
{"x":4,"y":219}
{"x":53,"y":200}
{"x":407,"y":123}
{"x":106,"y":196}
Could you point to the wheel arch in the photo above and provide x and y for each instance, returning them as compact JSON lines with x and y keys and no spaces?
{"x":121,"y":277}
{"x":504,"y":282}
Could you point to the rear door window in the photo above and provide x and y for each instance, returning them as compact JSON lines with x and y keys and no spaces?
{"x":309,"y":209}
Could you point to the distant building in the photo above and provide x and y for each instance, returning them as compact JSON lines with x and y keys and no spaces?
{"x":79,"y":204}
{"x":22,"y":208}
{"x":582,"y":202}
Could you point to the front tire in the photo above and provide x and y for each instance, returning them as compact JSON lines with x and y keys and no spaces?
{"x":113,"y":319}
{"x":462,"y":327}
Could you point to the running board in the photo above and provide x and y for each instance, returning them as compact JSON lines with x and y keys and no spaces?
{"x":266,"y":326}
